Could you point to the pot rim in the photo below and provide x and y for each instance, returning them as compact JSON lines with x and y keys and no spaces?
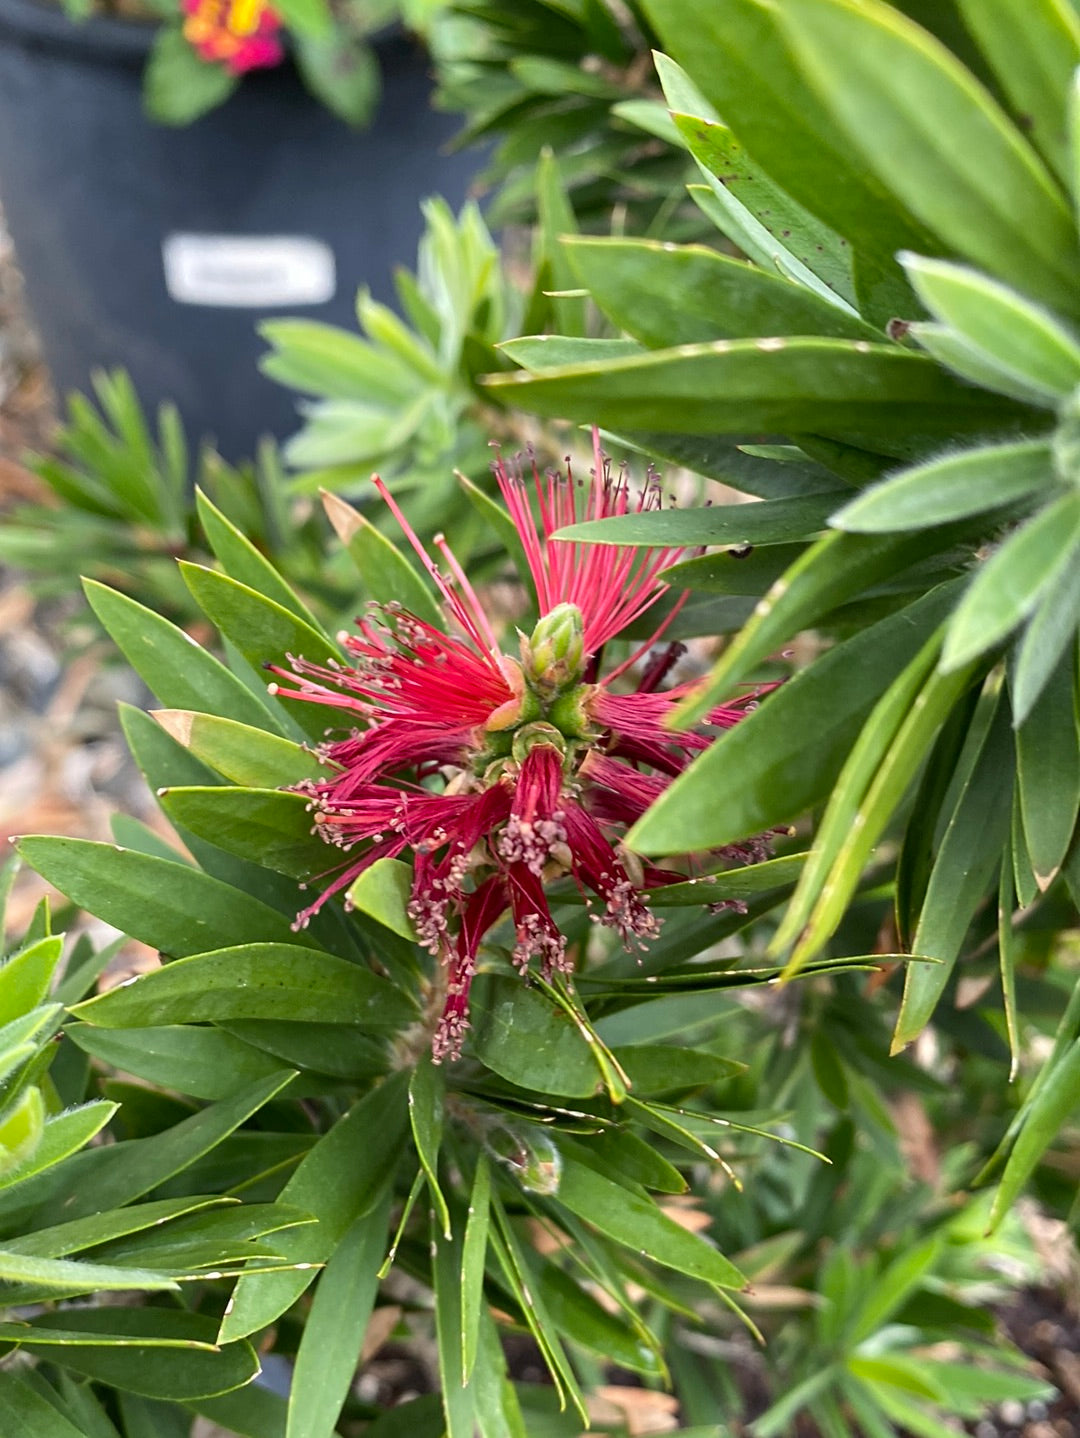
{"x":42,"y":24}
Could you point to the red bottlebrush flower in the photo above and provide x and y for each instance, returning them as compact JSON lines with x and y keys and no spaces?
{"x":239,"y":34}
{"x":498,"y":773}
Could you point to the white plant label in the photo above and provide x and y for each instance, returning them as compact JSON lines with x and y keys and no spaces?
{"x":248,"y":271}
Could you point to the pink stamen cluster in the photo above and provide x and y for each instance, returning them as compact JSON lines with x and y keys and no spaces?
{"x":497,"y":779}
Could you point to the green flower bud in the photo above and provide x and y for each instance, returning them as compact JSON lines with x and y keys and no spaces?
{"x":553,"y":657}
{"x":529,"y":1154}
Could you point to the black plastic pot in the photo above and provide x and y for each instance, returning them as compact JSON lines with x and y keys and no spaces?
{"x":160,"y":249}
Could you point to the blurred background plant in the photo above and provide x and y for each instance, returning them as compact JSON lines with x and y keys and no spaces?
{"x":203,"y":48}
{"x":577,"y":79}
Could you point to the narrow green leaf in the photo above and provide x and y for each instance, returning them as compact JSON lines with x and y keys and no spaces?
{"x":770,"y":228}
{"x":242,"y":561}
{"x":1050,"y":630}
{"x":339,"y":1181}
{"x":105,"y":1177}
{"x":204,"y":1062}
{"x":772,"y":521}
{"x":172,"y":907}
{"x":1011,"y":331}
{"x":172,"y":665}
{"x":638,"y":1224}
{"x":556,"y":218}
{"x":831,"y":572}
{"x":762,"y":773}
{"x":329,"y":1351}
{"x":879,"y":397}
{"x":264,"y":826}
{"x":1048,"y":773}
{"x":238,"y":752}
{"x":253,"y":981}
{"x":908,"y":734}
{"x":426,"y":1092}
{"x":1007,"y":961}
{"x":1042,"y":1117}
{"x":458,"y":1395}
{"x":929,"y":130}
{"x":917,"y":848}
{"x":663,"y":295}
{"x":971,"y":482}
{"x":969,"y":855}
{"x":263,"y":631}
{"x":966,"y":360}
{"x":26,"y":976}
{"x":1034,"y":48}
{"x":156,"y":1352}
{"x":60,"y":1136}
{"x":75,"y":1276}
{"x":383,"y":567}
{"x":737,"y":51}
{"x":473,"y":1259}
{"x":1009,"y":584}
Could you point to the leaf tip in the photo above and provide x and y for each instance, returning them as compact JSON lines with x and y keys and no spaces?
{"x":177,"y":723}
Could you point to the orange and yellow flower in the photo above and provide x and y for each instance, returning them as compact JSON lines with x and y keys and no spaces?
{"x":239,"y":34}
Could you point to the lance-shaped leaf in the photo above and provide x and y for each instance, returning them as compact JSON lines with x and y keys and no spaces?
{"x":1034,"y":49}
{"x":242,"y":561}
{"x":170,"y":906}
{"x":171,"y":664}
{"x":1048,"y":773}
{"x":937,"y":138}
{"x":762,"y":772}
{"x":1010,"y":583}
{"x":384,"y":569}
{"x":737,"y":51}
{"x":339,"y":1181}
{"x":972,"y":482}
{"x":666,"y":294}
{"x":260,"y":981}
{"x":966,"y":863}
{"x":262,"y":630}
{"x":238,"y":752}
{"x":1015,"y":334}
{"x":879,"y":397}
{"x":329,"y":1351}
{"x":630,"y":1219}
{"x":265,"y":826}
{"x":157,"y":1352}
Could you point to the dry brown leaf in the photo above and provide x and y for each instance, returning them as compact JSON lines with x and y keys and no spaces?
{"x":380,"y":1326}
{"x":642,"y":1410}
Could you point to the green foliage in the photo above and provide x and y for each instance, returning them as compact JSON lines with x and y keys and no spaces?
{"x":244,"y":1012}
{"x":685,"y":1150}
{"x":403,"y":400}
{"x":944,"y":445}
{"x":538,"y":75}
{"x":126,"y":509}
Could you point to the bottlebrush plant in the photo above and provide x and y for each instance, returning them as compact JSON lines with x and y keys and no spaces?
{"x":903,"y":338}
{"x":536,"y":1125}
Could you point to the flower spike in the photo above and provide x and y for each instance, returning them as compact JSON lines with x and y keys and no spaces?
{"x":498,"y":774}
